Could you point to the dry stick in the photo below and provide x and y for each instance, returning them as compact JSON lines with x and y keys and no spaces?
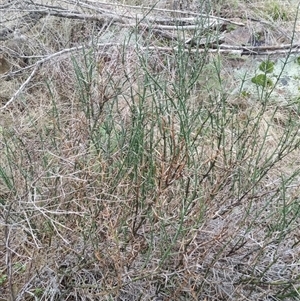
{"x":116,"y":18}
{"x":74,"y":15}
{"x":296,"y":50}
{"x":101,"y":18}
{"x":260,"y":48}
{"x":174,"y":27}
{"x":241,"y":50}
{"x":170,"y":11}
{"x":187,"y":20}
{"x":169,"y":20}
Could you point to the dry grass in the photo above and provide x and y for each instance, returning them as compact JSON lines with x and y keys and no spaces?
{"x":131,"y":173}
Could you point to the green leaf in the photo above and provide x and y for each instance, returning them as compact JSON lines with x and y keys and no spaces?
{"x":266,"y":67}
{"x":262,"y":80}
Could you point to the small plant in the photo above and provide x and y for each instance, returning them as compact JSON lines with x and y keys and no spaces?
{"x":245,"y":94}
{"x":38,"y":292}
{"x":263,"y":80}
{"x":3,"y":279}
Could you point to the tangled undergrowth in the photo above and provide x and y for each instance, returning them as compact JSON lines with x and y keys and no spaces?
{"x":129,"y":170}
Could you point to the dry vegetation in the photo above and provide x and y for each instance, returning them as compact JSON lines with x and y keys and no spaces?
{"x":128,"y":168}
